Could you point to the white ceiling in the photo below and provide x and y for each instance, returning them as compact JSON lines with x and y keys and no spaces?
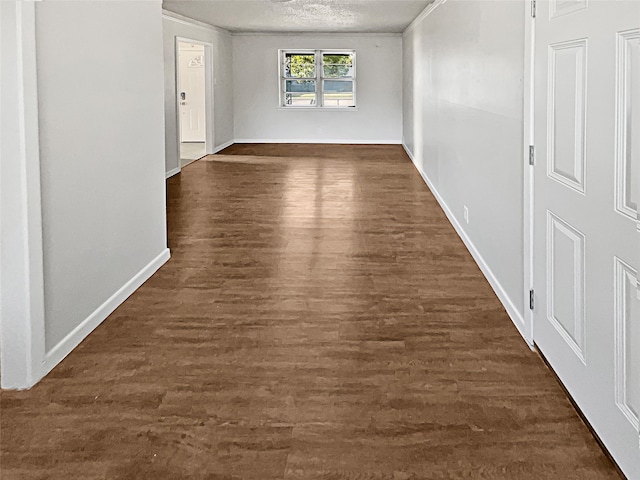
{"x":355,"y":16}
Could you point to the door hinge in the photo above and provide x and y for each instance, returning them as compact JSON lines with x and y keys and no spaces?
{"x":533,"y":8}
{"x":532,"y":155}
{"x":531,"y":300}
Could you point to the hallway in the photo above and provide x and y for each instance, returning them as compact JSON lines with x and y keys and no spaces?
{"x":319,"y":319}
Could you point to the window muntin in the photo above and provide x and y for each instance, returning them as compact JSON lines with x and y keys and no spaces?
{"x":317,"y":78}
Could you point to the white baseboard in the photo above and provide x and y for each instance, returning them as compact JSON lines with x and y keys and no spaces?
{"x":512,"y":311}
{"x":73,"y":339}
{"x":219,"y":148}
{"x":316,"y":140}
{"x":173,"y":172}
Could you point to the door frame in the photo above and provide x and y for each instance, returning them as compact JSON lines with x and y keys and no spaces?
{"x":528,"y":177}
{"x":22,"y":311}
{"x":208,"y":94}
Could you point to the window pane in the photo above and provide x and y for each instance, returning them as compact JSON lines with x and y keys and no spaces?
{"x":337,"y":65}
{"x":338,"y":93}
{"x":300,"y":99}
{"x":300,"y":86}
{"x":300,"y":92}
{"x":297,"y":65}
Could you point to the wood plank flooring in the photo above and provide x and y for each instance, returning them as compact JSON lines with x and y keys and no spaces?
{"x":319,"y":319}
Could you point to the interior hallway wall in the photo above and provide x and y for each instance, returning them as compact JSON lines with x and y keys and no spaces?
{"x":463,"y":125}
{"x":102,"y":159}
{"x":222,"y":90}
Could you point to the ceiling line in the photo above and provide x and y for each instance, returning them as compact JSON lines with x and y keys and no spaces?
{"x":169,"y":15}
{"x":316,"y":34}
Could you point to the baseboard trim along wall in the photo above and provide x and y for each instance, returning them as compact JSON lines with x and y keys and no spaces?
{"x":316,"y":140}
{"x":172,"y":172}
{"x":507,"y":303}
{"x":175,"y":171}
{"x":219,"y":148}
{"x":73,"y":339}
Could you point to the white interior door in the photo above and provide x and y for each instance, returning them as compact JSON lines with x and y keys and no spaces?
{"x":191,"y":92}
{"x":586,"y":246}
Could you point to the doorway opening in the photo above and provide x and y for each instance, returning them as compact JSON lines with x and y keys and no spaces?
{"x":192,"y":66}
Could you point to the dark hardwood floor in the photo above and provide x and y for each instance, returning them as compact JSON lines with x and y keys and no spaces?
{"x":319,"y":319}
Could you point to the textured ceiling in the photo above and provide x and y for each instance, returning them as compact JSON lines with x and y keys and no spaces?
{"x":358,"y":16}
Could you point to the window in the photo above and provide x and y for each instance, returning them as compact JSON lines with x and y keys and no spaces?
{"x":317,"y":78}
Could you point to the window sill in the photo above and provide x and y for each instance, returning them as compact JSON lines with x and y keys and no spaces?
{"x":321,"y":109}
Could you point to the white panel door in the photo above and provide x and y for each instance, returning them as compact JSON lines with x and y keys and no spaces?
{"x":191,"y":93}
{"x":587,"y":312}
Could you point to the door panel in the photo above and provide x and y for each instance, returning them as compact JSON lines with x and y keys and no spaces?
{"x":565,"y":282}
{"x":627,"y":366}
{"x":192,"y":84}
{"x":567,"y":115}
{"x":563,"y":7}
{"x":586,"y":255}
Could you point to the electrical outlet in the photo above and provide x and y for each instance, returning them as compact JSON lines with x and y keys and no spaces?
{"x":466,"y":214}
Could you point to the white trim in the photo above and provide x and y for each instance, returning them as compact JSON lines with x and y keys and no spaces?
{"x":219,"y":148}
{"x":319,"y":78}
{"x":21,"y":256}
{"x":321,"y":109}
{"x":176,"y":17}
{"x":173,"y":171}
{"x":424,"y":14}
{"x":73,"y":339}
{"x":623,"y":90}
{"x":528,"y":177}
{"x":209,"y":86}
{"x":509,"y":306}
{"x":209,"y":97}
{"x":318,"y":140}
{"x":315,"y":34}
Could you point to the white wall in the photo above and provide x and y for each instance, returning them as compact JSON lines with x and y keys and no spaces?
{"x":102,"y":159}
{"x":222,"y":90}
{"x":257,"y":116}
{"x":463,"y":125}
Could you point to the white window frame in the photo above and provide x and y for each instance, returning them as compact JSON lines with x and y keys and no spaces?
{"x":319,"y":79}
